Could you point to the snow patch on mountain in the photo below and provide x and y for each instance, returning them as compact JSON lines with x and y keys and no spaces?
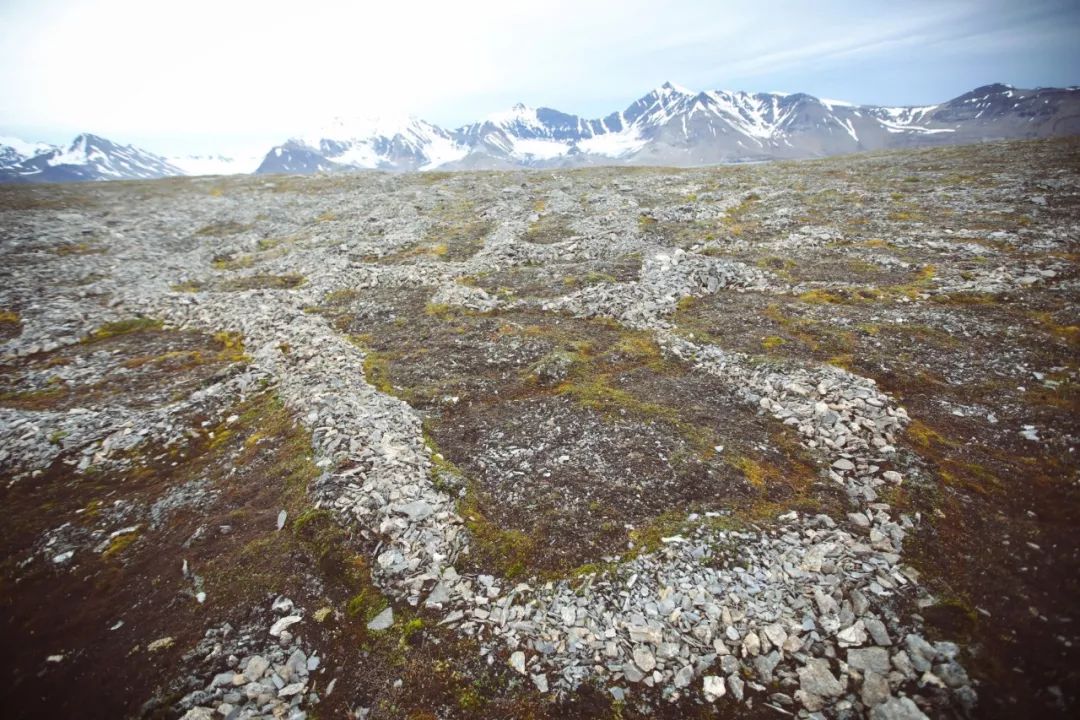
{"x":22,"y":148}
{"x":215,"y":164}
{"x":614,"y":145}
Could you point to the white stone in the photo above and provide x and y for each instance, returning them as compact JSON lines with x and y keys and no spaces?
{"x":713,"y":687}
{"x":517,"y":661}
{"x":283,"y":624}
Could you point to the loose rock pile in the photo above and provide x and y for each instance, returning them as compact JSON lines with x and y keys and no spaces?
{"x":262,"y":672}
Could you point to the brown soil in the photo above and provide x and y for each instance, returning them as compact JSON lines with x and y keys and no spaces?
{"x":573,"y":437}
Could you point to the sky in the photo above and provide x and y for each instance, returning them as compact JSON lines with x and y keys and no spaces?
{"x":201,"y":75}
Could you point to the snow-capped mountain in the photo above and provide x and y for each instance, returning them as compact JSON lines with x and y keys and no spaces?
{"x":670,"y":125}
{"x":388,"y":143}
{"x":88,"y":157}
{"x":675,"y":126}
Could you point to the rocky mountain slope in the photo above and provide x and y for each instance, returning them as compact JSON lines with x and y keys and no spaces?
{"x":680,"y":127}
{"x":775,"y":439}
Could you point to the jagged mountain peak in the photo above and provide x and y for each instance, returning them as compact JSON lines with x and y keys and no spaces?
{"x":517,"y":113}
{"x":673,"y":88}
{"x":88,"y":138}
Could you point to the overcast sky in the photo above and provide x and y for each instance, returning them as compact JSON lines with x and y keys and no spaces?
{"x":205,"y":73}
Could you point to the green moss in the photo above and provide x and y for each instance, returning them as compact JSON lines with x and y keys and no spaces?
{"x":229,"y":262}
{"x":736,"y":219}
{"x":752,"y":470}
{"x":649,"y":537}
{"x":232,"y":347}
{"x":41,"y":399}
{"x":342,"y":297}
{"x":778,"y":265}
{"x":287,"y":281}
{"x":439,"y":310}
{"x":507,"y":552}
{"x":366,"y":604}
{"x":119,"y":544}
{"x":844,"y":361}
{"x":470,"y":699}
{"x":924,"y":436}
{"x":593,"y":569}
{"x":265,"y":244}
{"x":122,"y":327}
{"x":309,"y":518}
{"x":222,"y":229}
{"x":821,"y":297}
{"x":597,"y":393}
{"x":190,"y":286}
{"x":377,"y":372}
{"x":79,"y":248}
{"x":230,"y":350}
{"x":906,"y":216}
{"x":1069,"y":333}
{"x":410,"y":629}
{"x":445,"y":475}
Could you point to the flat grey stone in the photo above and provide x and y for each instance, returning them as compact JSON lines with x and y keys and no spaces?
{"x":382,"y":621}
{"x":415,"y":510}
{"x":256,"y":667}
{"x":875,"y":689}
{"x":816,"y":678}
{"x":897,"y":709}
{"x":874,"y":659}
{"x":644,"y":658}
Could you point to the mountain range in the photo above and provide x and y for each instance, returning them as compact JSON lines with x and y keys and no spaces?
{"x":668,"y":126}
